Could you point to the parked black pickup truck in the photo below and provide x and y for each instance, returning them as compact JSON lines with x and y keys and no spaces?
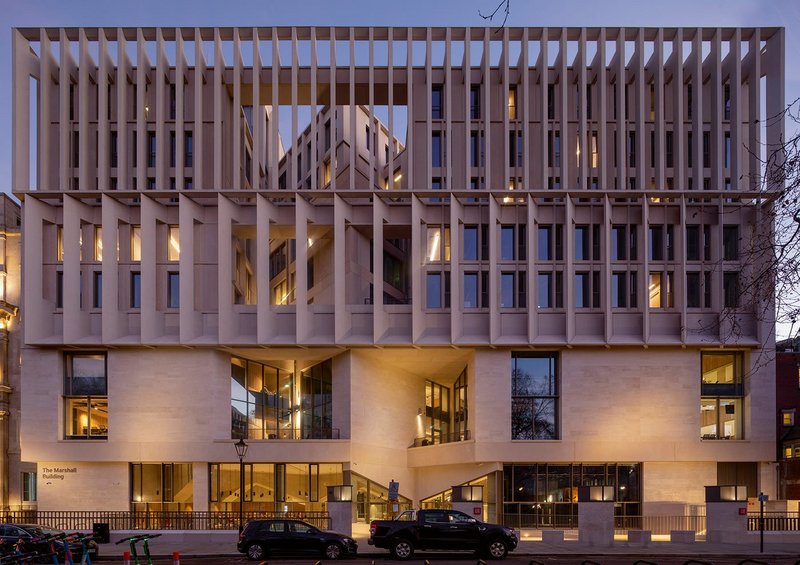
{"x":447,"y":530}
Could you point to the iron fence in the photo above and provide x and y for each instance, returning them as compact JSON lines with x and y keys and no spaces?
{"x":155,"y":519}
{"x":774,"y":522}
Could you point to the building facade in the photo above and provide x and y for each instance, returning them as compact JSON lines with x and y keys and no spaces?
{"x":517,"y":259}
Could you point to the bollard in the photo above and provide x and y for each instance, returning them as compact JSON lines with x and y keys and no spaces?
{"x":126,"y":558}
{"x":176,"y":558}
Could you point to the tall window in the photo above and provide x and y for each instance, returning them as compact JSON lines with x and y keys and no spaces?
{"x":534,"y":396}
{"x":722,"y":396}
{"x":436,"y":149}
{"x":512,"y":289}
{"x":136,"y":289}
{"x":173,"y":243}
{"x":512,"y":102}
{"x":85,"y":396}
{"x":475,"y":102}
{"x":136,"y":243}
{"x":512,"y":243}
{"x":550,"y":289}
{"x":436,"y":102}
{"x":316,"y":402}
{"x":28,"y":486}
{"x":437,"y":412}
{"x":730,"y":242}
{"x":173,"y":290}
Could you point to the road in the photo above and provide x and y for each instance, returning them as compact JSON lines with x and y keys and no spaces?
{"x":440,"y":559}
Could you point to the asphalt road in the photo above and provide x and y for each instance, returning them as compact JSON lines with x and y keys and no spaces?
{"x":440,"y":559}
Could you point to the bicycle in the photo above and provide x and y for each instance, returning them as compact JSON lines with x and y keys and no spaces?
{"x":133,"y":540}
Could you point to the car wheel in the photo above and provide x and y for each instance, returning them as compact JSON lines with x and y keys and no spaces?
{"x":497,"y":549}
{"x":333,"y":551}
{"x":402,"y":549}
{"x":256,"y":552}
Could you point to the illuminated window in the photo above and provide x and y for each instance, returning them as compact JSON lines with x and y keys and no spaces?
{"x":660,"y":290}
{"x":787,"y":452}
{"x":98,"y":243}
{"x":85,"y":396}
{"x":174,"y":244}
{"x":136,"y":243}
{"x":326,"y":172}
{"x":59,"y":243}
{"x":722,"y":398}
{"x":438,"y":244}
{"x":512,"y":103}
{"x":787,"y":417}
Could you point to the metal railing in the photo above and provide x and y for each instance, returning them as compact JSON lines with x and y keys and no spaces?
{"x":442,"y":438}
{"x":774,"y":522}
{"x":154,"y":520}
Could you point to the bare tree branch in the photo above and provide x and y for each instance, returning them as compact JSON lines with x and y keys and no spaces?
{"x":505,"y":5}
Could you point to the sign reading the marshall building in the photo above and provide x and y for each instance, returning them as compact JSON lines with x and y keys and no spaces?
{"x":58,"y":473}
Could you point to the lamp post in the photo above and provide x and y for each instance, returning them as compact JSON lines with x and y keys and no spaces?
{"x":241,"y":451}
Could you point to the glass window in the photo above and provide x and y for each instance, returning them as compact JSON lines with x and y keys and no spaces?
{"x":581,"y":243}
{"x":730,"y":289}
{"x":618,"y":290}
{"x":534,"y":396}
{"x":475,"y":102}
{"x":173,"y":290}
{"x":173,"y":243}
{"x":471,"y":290}
{"x":161,"y":486}
{"x":722,"y":396}
{"x":97,"y":289}
{"x":582,"y":290}
{"x":507,"y":290}
{"x":692,"y":243}
{"x":507,"y":243}
{"x":730,"y":243}
{"x":655,"y":290}
{"x":436,"y":149}
{"x":98,"y":243}
{"x":693,"y":290}
{"x":512,"y":103}
{"x":434,"y":290}
{"x":545,"y":290}
{"x":787,"y":417}
{"x":436,"y":244}
{"x":136,"y":243}
{"x":29,"y":486}
{"x":136,"y":289}
{"x":85,"y":396}
{"x":470,"y":243}
{"x":545,"y":243}
{"x":436,"y":102}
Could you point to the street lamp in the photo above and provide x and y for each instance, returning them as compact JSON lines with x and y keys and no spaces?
{"x":241,"y":451}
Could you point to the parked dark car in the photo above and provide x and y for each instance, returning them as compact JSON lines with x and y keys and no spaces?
{"x":36,"y":538}
{"x":447,"y":530}
{"x":262,"y":537}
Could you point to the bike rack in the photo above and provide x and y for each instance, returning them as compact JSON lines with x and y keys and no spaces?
{"x":697,"y":562}
{"x":590,"y":562}
{"x":755,"y":561}
{"x":644,"y":562}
